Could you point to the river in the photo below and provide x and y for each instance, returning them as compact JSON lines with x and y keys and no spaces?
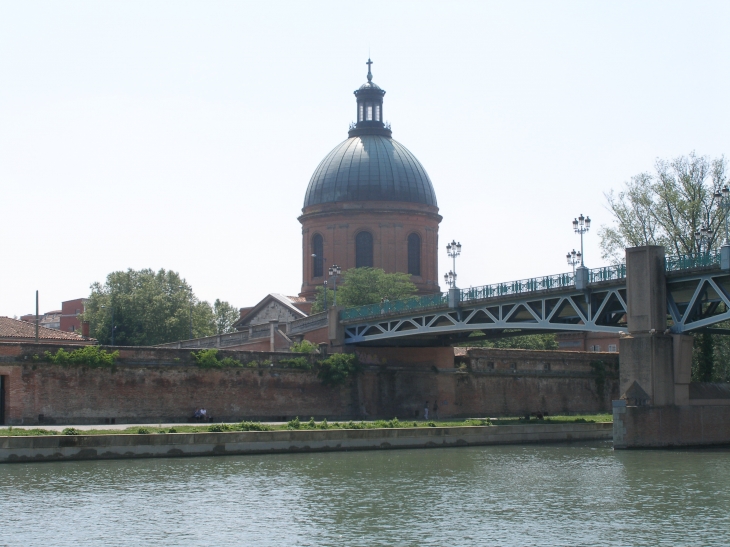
{"x":566,"y":494}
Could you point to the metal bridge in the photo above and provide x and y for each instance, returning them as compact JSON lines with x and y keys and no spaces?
{"x":698,"y":295}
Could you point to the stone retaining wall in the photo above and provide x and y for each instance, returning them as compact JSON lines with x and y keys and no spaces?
{"x":86,"y":447}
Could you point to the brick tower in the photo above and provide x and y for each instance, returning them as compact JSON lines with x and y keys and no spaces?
{"x":371,"y":203}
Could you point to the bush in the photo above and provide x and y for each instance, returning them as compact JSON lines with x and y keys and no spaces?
{"x":90,"y":356}
{"x":302,"y":363}
{"x":310,"y":424}
{"x":219,"y":428}
{"x":431,"y":424}
{"x":70,"y":431}
{"x":253,"y":426}
{"x":338,"y":368}
{"x":478,"y":421}
{"x":208,"y":358}
{"x":143,"y":431}
{"x":172,"y":430}
{"x":323,"y":424}
{"x":305,"y":346}
{"x":294,"y":424}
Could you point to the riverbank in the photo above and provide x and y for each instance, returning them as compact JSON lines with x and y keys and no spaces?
{"x":161,"y":445}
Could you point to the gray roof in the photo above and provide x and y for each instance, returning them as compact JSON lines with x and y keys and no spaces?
{"x":370,"y":168}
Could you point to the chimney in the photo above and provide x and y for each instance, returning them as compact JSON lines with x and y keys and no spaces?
{"x":85,"y":329}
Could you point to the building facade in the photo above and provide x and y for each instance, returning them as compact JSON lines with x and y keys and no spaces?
{"x":370,"y":203}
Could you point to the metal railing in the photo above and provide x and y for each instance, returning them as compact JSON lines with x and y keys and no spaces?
{"x":686,"y":262}
{"x":607,"y":273}
{"x":517,"y":287}
{"x":407,"y":304}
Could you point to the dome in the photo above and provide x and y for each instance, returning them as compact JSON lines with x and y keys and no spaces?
{"x":370,"y":168}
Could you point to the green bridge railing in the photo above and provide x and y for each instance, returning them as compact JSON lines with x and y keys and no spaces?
{"x":522,"y":286}
{"x":687,"y":262}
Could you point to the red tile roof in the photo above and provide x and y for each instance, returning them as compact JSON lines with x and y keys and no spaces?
{"x":12,"y":329}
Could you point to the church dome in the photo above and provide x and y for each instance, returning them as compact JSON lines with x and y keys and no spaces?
{"x":370,"y":168}
{"x":370,"y":165}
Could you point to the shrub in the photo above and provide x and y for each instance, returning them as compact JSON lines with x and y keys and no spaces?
{"x":90,"y":356}
{"x":431,"y":424}
{"x":219,"y":428}
{"x":478,"y":421}
{"x":294,"y":424}
{"x":337,"y":368}
{"x":70,"y":431}
{"x":143,"y":431}
{"x":302,"y":363}
{"x":310,"y":424}
{"x":208,"y":358}
{"x":253,"y":426}
{"x":323,"y":424}
{"x":172,"y":430}
{"x":305,"y":346}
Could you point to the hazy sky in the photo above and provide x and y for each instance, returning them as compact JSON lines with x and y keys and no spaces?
{"x":182,"y":135}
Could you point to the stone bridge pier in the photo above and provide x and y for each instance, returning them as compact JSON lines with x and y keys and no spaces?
{"x":656,"y":407}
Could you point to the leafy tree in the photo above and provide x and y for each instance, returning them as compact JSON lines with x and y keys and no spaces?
{"x":361,"y":286}
{"x":527,"y":341}
{"x":225,"y":316}
{"x":667,"y":208}
{"x":149,"y":308}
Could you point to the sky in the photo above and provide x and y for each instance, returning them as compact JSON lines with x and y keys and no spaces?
{"x":182,"y":135}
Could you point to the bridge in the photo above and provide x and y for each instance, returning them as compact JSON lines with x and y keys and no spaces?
{"x":695,"y":287}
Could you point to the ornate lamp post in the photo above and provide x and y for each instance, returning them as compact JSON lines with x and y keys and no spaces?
{"x":581,"y":225}
{"x":723,"y":202}
{"x":334,"y":272}
{"x":453,"y":249}
{"x":574,"y":259}
{"x":450,"y":279}
{"x":703,"y":236}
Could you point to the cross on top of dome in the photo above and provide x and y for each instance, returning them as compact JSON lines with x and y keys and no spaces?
{"x":370,"y":74}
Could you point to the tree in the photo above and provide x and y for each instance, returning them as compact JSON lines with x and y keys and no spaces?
{"x":149,"y":308}
{"x":225,"y":316}
{"x":361,"y":286}
{"x":667,"y":208}
{"x":527,"y":341}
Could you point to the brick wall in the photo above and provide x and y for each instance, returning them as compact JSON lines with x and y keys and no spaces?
{"x":163,"y":384}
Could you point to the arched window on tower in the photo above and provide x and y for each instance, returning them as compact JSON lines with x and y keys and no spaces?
{"x":369,"y":112}
{"x":360,"y":110}
{"x":377,"y":112}
{"x":317,"y":256}
{"x":414,"y":254}
{"x":364,"y":250}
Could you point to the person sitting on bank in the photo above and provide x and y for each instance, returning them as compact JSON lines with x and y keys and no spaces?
{"x":197,"y":414}
{"x":203,"y":414}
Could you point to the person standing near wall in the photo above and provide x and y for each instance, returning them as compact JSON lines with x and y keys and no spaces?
{"x":425,"y":411}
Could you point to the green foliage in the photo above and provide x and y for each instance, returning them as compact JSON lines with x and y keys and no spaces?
{"x":301,"y":363}
{"x":310,"y":424}
{"x":603,"y":371}
{"x":323,"y":424}
{"x":431,"y":423}
{"x":337,"y":368}
{"x":224,"y":316}
{"x":703,"y":357}
{"x":151,"y":308}
{"x":172,"y":430}
{"x":389,"y":424}
{"x":90,"y":356}
{"x":294,"y":424}
{"x":71,"y":431}
{"x":361,"y":286}
{"x":529,"y":341}
{"x":666,"y":207}
{"x":253,"y":426}
{"x":478,"y":422}
{"x":143,"y":431}
{"x":208,"y":358}
{"x":305,"y":346}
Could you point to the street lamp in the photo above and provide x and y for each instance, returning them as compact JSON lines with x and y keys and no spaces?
{"x":190,"y":294}
{"x":703,"y":236}
{"x":574,"y":259}
{"x":450,"y":279}
{"x":453,"y":250}
{"x":113,"y":327}
{"x":580,"y":226}
{"x":334,"y":272}
{"x":723,"y":202}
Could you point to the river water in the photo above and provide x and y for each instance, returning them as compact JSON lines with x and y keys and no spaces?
{"x":568,"y":494}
